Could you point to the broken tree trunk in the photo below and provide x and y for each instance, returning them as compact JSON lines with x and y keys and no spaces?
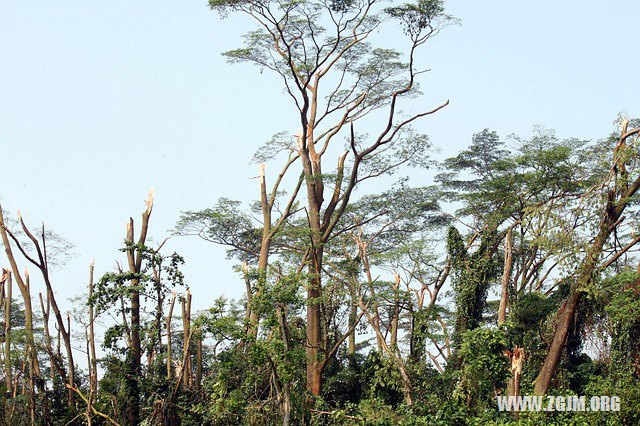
{"x":516,"y":357}
{"x":134,"y":257}
{"x":617,"y":199}
{"x":25,"y":296}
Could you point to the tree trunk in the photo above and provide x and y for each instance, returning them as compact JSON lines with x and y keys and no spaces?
{"x":7,"y":333}
{"x":353,"y":315}
{"x":198,"y":383}
{"x":396,"y":314}
{"x":515,"y":359}
{"x":286,"y":387}
{"x":617,"y":200}
{"x":92,"y":341}
{"x":506,"y":275}
{"x":566,"y":316}
{"x":25,"y":295}
{"x":54,"y":365}
{"x":396,"y":357}
{"x":186,"y":326}
{"x":168,"y":327}
{"x":134,"y":257}
{"x":134,"y":343}
{"x":42,"y":264}
{"x":314,"y":336}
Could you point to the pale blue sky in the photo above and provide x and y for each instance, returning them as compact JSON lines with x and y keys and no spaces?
{"x":101,"y":100}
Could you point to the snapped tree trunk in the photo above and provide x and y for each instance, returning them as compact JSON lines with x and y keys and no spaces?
{"x":24,"y":290}
{"x":43,"y":266}
{"x":516,"y":357}
{"x":134,"y":257}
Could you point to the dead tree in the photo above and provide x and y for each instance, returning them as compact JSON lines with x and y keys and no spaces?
{"x":24,"y":290}
{"x":42,"y":264}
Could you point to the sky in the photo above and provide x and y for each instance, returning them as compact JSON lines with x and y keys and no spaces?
{"x":102,"y":100}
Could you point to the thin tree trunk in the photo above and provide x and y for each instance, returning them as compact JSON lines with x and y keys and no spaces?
{"x":42,"y":264}
{"x":186,"y":326}
{"x":364,"y":256}
{"x":134,"y":257}
{"x":353,"y":314}
{"x":407,"y":386}
{"x":90,"y":396}
{"x":198,"y":383}
{"x":55,"y":368}
{"x":32,"y":363}
{"x":134,"y":343}
{"x":506,"y":275}
{"x":7,"y":333}
{"x":396,"y":314}
{"x":92,"y":341}
{"x":286,"y":387}
{"x":263,"y":258}
{"x":168,"y":327}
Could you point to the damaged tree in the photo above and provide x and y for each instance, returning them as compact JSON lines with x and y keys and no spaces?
{"x":620,"y":187}
{"x":135,"y":252}
{"x":291,"y":42}
{"x":23,"y":285}
{"x":43,"y":265}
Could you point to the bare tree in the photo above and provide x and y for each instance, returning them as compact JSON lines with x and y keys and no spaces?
{"x":24,"y":290}
{"x":42,"y":264}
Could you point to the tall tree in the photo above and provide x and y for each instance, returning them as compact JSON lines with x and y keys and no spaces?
{"x":619,"y":188}
{"x":134,"y":258}
{"x":292,"y":42}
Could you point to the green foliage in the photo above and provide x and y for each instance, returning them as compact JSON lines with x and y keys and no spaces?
{"x":420,"y":17}
{"x":484,"y":367}
{"x":547,"y":191}
{"x":225,"y":224}
{"x":473,"y":273}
